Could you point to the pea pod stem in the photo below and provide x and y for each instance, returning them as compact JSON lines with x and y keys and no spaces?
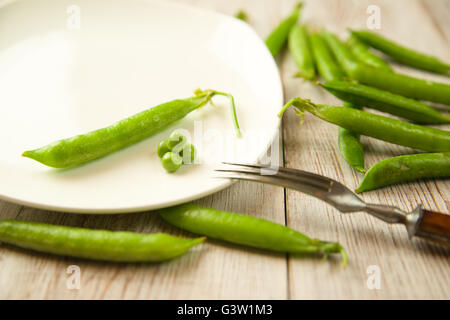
{"x":83,"y":148}
{"x":246,"y":230}
{"x":402,"y":54}
{"x":404,"y":169}
{"x":103,"y":245}
{"x":278,"y":37}
{"x":376,"y":126}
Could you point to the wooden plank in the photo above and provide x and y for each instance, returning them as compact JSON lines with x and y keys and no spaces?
{"x":408,"y":269}
{"x":213,"y":270}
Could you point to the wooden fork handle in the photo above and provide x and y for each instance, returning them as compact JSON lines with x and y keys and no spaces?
{"x":434,"y":226}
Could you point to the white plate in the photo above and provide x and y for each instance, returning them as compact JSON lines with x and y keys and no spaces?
{"x":66,"y":70}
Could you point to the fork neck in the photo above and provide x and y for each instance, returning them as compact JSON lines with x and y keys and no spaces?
{"x":394,"y":215}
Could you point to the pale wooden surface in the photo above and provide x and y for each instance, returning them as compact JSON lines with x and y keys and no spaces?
{"x":218,"y":271}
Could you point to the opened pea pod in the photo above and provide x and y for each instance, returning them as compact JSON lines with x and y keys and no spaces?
{"x":83,"y":148}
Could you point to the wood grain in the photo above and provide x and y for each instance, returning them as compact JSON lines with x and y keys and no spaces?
{"x":215,"y":270}
{"x":405,"y":267}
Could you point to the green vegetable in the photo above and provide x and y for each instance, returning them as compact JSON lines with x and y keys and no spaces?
{"x":385,"y":101}
{"x":246,"y":230}
{"x":242,"y":15}
{"x":402,"y":54}
{"x":277,"y":39}
{"x":411,"y":87}
{"x":176,"y":140}
{"x":163,"y":148}
{"x":363,"y":54}
{"x":96,"y":144}
{"x":188,"y":153}
{"x":341,"y":52}
{"x":407,"y":86}
{"x":94,"y":244}
{"x":406,"y":168}
{"x":171,"y":161}
{"x":301,"y":51}
{"x":325,"y":63}
{"x":350,"y":147}
{"x":376,"y":126}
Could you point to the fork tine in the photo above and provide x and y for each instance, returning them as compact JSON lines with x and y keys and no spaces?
{"x":275,"y":180}
{"x":296,"y":172}
{"x":287,"y":179}
{"x":300,"y":176}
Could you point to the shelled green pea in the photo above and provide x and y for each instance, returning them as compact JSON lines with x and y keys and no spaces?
{"x":175,"y":151}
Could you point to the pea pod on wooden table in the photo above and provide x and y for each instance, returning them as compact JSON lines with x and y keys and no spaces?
{"x":242,"y":15}
{"x":94,"y":244}
{"x":381,"y":78}
{"x":325,"y":63}
{"x":246,"y":230}
{"x":83,"y":148}
{"x":363,"y":53}
{"x":415,"y":88}
{"x":341,"y":52}
{"x":278,"y":37}
{"x":406,"y":168}
{"x":376,"y":126}
{"x":301,"y":52}
{"x":402,"y":54}
{"x":385,"y":101}
{"x":350,"y":146}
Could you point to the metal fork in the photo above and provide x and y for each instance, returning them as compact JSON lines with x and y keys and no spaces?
{"x":422,"y":223}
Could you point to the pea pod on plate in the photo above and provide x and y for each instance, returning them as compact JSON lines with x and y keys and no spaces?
{"x":83,"y":148}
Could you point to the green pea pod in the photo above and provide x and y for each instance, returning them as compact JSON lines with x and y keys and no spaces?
{"x":94,"y":244}
{"x":406,"y":168}
{"x":385,"y":101}
{"x":241,"y":15}
{"x":277,"y":39}
{"x":363,"y":54}
{"x":402,"y":54}
{"x":350,"y":146}
{"x":98,"y":143}
{"x":325,"y":63}
{"x":246,"y":230}
{"x":376,"y":126}
{"x":300,"y":50}
{"x":342,"y":53}
{"x":407,"y":86}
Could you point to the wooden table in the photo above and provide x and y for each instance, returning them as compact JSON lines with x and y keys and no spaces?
{"x":214,"y":270}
